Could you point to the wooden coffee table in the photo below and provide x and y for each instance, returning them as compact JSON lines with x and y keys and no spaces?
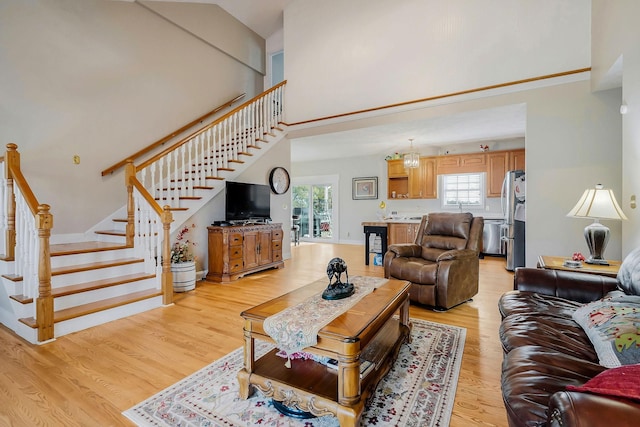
{"x":374,"y":329}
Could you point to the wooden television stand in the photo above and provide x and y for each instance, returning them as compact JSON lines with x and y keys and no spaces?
{"x":237,"y":250}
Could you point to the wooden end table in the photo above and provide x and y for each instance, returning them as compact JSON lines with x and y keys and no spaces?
{"x":556,"y":263}
{"x":374,"y":329}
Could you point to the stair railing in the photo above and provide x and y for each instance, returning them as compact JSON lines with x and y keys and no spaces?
{"x":179,"y":170}
{"x":148,"y":231}
{"x":186,"y":165}
{"x":27,"y":234}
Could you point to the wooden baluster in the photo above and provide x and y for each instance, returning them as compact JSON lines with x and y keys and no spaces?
{"x":240,"y":137}
{"x":219,"y":153}
{"x":263,"y":127}
{"x":11,"y":160}
{"x":225,"y":144}
{"x":154,"y":189}
{"x":129,"y":175}
{"x":233,"y":137}
{"x":3,"y":206}
{"x":167,"y":278}
{"x":210,"y":156}
{"x":269,"y":111}
{"x":176,"y":178}
{"x":189,"y":166}
{"x":44,"y":302}
{"x":161,"y":183}
{"x":252,"y":123}
{"x":199,"y":159}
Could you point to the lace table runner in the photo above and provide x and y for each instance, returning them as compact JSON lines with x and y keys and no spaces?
{"x":296,"y":328}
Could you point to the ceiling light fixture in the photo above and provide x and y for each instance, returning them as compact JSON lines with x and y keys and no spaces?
{"x":411,"y":159}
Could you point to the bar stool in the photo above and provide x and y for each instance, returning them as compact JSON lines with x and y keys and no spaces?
{"x":295,"y":228}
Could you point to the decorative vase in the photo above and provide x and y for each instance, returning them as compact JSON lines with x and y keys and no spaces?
{"x":184,"y":276}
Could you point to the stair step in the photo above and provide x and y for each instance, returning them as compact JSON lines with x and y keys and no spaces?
{"x":178,"y":209}
{"x":22,"y":299}
{"x":84,"y":247}
{"x":88,"y":286}
{"x":194,"y":179}
{"x":112,"y":232}
{"x":195,"y":187}
{"x":179,"y":198}
{"x":94,"y":307}
{"x":94,"y":266}
{"x":99,"y":284}
{"x":78,"y":268}
{"x":119,"y":220}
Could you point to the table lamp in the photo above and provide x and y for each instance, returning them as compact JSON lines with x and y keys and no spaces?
{"x":597,"y":203}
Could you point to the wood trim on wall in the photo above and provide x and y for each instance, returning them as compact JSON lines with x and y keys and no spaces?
{"x":447,"y":95}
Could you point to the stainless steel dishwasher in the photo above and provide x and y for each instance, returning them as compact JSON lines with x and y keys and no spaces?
{"x":491,"y":242}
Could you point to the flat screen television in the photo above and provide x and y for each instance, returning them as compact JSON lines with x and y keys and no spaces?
{"x":245,"y":202}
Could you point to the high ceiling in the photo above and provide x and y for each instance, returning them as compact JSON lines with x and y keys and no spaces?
{"x":265,"y":17}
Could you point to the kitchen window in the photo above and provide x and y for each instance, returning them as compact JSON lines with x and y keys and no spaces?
{"x":463,"y":191}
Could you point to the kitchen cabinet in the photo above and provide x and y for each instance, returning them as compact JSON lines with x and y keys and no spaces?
{"x":395,"y":169}
{"x":422,"y":183}
{"x":399,"y":232}
{"x":497,"y":167}
{"x":517,"y":159}
{"x":498,"y":163}
{"x":398,"y":179}
{"x":235,"y":251}
{"x":418,"y":183}
{"x":462,"y":163}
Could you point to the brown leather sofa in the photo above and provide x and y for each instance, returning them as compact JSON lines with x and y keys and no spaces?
{"x":545,"y":350}
{"x":443,"y":262}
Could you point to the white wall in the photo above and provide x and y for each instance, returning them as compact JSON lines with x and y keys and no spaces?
{"x":346,"y":56}
{"x":102,"y":79}
{"x":615,"y":35}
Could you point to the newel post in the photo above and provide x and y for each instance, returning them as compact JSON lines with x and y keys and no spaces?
{"x":130,"y":173}
{"x":12,"y":160}
{"x":44,"y":301}
{"x":167,"y":278}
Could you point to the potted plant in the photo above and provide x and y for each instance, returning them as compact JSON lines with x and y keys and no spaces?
{"x":183,"y":262}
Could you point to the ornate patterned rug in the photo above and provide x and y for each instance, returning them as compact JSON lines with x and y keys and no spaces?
{"x":418,"y":391}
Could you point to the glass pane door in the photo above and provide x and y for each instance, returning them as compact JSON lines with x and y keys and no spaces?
{"x":313,"y":204}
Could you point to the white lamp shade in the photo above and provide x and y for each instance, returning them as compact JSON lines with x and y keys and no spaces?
{"x":597,"y":203}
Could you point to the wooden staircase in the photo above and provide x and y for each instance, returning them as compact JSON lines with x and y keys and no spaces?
{"x":108,"y":277}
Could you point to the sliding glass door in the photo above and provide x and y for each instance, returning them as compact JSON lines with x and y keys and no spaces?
{"x":314,"y":202}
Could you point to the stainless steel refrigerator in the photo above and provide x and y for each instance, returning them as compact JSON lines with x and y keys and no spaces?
{"x":514,"y":211}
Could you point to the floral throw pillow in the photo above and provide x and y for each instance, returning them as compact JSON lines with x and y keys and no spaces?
{"x":613,"y":326}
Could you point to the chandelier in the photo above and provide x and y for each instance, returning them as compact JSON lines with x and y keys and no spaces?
{"x":411,"y":159}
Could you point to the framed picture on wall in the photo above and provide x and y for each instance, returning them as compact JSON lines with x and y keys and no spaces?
{"x":365,"y":188}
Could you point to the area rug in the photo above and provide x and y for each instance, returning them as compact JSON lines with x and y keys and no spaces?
{"x":418,"y":391}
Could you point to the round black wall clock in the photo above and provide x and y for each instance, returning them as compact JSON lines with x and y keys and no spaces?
{"x":279,"y":180}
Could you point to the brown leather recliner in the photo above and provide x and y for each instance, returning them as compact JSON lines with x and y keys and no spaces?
{"x":443,"y":262}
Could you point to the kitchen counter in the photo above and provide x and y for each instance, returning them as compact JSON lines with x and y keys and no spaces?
{"x":417,"y":219}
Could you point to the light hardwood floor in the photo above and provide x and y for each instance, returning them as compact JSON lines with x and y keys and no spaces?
{"x":88,"y":378}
